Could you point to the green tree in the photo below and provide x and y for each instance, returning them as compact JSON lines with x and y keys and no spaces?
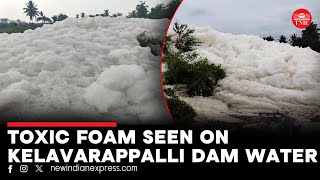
{"x":31,"y":10}
{"x":46,"y":19}
{"x":171,"y":8}
{"x":142,"y":10}
{"x":62,"y":17}
{"x":15,"y":28}
{"x":200,"y":76}
{"x":40,"y":18}
{"x":54,"y":18}
{"x":269,"y":38}
{"x":205,"y":77}
{"x":59,"y":17}
{"x":116,"y":14}
{"x":295,"y":40}
{"x":310,"y":37}
{"x":283,"y":39}
{"x":157,"y":12}
{"x":185,"y":67}
{"x":4,"y":20}
{"x":178,"y":69}
{"x":182,"y":112}
{"x":185,"y":40}
{"x":41,"y":14}
{"x":132,"y":14}
{"x":106,"y":13}
{"x":43,"y":18}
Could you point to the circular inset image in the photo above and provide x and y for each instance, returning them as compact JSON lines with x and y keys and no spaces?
{"x":301,"y":18}
{"x":255,"y":72}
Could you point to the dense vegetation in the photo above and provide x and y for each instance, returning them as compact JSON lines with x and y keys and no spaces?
{"x":200,"y":76}
{"x":8,"y":26}
{"x":185,"y":67}
{"x":158,"y":12}
{"x":181,"y":111}
{"x":310,"y":37}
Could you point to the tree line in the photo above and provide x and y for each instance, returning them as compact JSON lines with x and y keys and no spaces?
{"x":310,"y":37}
{"x":160,"y":11}
{"x":32,"y":11}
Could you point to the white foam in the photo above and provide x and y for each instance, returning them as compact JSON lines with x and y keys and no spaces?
{"x":262,"y":77}
{"x":91,"y":66}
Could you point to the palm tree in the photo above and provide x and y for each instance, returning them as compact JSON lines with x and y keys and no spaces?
{"x":31,"y":10}
{"x":311,"y":37}
{"x":106,"y":13}
{"x":295,"y":40}
{"x":185,"y":41}
{"x":269,"y":38}
{"x":132,"y":14}
{"x":283,"y":39}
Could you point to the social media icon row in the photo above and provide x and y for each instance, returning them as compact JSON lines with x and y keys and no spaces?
{"x":24,"y":168}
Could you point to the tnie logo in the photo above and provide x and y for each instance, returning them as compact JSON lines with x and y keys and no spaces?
{"x":301,"y":18}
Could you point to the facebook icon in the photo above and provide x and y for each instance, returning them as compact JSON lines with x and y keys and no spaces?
{"x":10,"y":168}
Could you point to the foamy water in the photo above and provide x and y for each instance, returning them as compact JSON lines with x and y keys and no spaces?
{"x":262,"y":77}
{"x":91,"y":68}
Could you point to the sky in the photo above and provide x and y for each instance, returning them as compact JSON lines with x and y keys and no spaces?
{"x":12,"y":9}
{"x":257,"y":17}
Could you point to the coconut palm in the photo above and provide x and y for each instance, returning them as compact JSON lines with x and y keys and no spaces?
{"x":283,"y":39}
{"x":311,"y":37}
{"x":295,"y":40}
{"x":31,"y":10}
{"x":269,"y":38}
